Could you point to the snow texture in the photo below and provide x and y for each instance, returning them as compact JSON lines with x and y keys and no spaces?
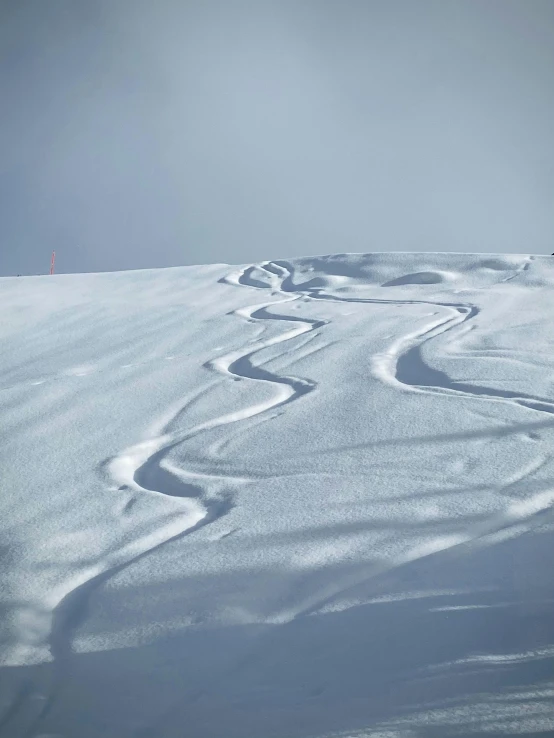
{"x":294,"y":499}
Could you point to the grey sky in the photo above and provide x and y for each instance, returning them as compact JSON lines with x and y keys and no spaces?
{"x":142,"y":133}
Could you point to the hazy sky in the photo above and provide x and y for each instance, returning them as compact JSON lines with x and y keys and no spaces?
{"x":143,"y":133}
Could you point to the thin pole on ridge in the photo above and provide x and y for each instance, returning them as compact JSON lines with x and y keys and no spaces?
{"x":52,"y":261}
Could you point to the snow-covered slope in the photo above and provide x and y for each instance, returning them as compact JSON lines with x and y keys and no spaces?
{"x":293,"y":499}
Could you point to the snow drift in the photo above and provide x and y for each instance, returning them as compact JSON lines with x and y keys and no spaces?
{"x":291,"y":499}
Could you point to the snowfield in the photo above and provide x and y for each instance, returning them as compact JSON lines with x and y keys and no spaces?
{"x":296,"y":499}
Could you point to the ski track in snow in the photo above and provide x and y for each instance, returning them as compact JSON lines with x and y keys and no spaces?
{"x":403,"y":365}
{"x":144,"y":469}
{"x":404,"y":368}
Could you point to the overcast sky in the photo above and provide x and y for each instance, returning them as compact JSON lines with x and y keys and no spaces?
{"x":144,"y":133}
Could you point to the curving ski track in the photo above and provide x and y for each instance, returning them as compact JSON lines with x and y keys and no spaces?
{"x":145,"y":469}
{"x":403,"y":367}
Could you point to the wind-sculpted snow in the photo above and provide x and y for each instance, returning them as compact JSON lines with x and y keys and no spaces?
{"x":295,"y":498}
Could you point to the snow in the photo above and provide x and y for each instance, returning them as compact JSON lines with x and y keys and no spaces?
{"x":296,"y":499}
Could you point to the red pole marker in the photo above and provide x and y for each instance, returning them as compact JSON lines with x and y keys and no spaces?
{"x":52,"y":262}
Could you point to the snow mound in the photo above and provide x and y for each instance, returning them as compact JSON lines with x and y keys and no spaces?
{"x":420,"y":278}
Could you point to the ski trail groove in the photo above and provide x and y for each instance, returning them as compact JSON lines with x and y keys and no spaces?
{"x":403,"y":367}
{"x":403,"y":364}
{"x":145,"y":469}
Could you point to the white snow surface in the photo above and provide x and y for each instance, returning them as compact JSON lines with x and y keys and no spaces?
{"x":292,"y":499}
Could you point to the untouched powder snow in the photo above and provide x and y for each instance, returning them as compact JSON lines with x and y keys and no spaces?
{"x":295,"y":499}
